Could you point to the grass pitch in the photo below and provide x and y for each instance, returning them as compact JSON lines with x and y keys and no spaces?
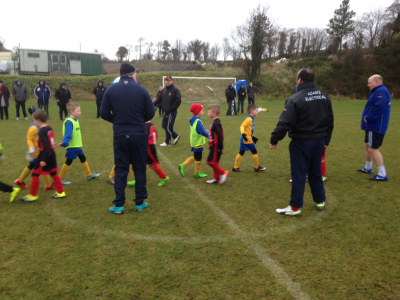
{"x":197,"y":241}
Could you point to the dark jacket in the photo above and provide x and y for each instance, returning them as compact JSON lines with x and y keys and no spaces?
{"x":170,"y":99}
{"x":252,"y":91}
{"x":99,"y":92}
{"x":42,"y":93}
{"x":294,"y":90}
{"x":63,"y":96}
{"x":308,"y":115}
{"x":5,"y":92}
{"x":230,"y":93}
{"x":377,"y":110}
{"x":128,"y":106}
{"x":242,"y":91}
{"x":158,"y":95}
{"x":19,"y":92}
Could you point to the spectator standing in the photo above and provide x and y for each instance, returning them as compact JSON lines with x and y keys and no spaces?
{"x":230,"y":94}
{"x":63,"y":96}
{"x":20,"y":94}
{"x":375,"y":121}
{"x":160,"y":109}
{"x":170,"y":99}
{"x":42,"y":93}
{"x":4,"y":104}
{"x":252,"y":91}
{"x":99,"y":91}
{"x":241,"y":97}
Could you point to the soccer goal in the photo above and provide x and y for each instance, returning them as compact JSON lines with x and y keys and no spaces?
{"x":201,"y":88}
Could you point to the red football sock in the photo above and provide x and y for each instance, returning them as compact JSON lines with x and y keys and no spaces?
{"x":159,"y":172}
{"x":216,"y":173}
{"x":57,"y":182}
{"x":295,"y":208}
{"x":323,"y":167}
{"x":219,"y":169}
{"x":34,"y":185}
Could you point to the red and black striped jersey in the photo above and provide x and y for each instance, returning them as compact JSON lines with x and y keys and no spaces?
{"x":46,"y":142}
{"x":216,"y":138}
{"x":152,"y":135}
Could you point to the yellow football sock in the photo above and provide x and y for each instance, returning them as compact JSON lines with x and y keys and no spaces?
{"x":112,"y":174}
{"x":255,"y":161}
{"x":64,"y":171}
{"x":238,"y":160}
{"x":85,"y":167}
{"x":46,"y":179}
{"x":197,"y":167}
{"x":24,"y":174}
{"x":133,"y":172}
{"x":188,"y":161}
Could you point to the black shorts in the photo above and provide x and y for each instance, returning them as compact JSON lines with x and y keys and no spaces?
{"x":152,"y":159}
{"x":50,"y":167}
{"x":214,"y":155}
{"x":373,"y":139}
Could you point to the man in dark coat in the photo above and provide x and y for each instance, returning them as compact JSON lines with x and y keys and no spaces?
{"x":170,"y":100}
{"x":252,"y":91}
{"x":4,"y":96}
{"x":63,"y":96}
{"x":42,"y":93}
{"x":128,"y":106}
{"x":99,"y":91}
{"x":230,"y":94}
{"x":241,"y":96}
{"x":20,"y":94}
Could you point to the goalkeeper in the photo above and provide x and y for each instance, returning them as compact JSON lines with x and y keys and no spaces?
{"x":248,"y":141}
{"x":5,"y":187}
{"x":32,"y":155}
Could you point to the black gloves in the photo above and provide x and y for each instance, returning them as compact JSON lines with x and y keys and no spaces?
{"x":244,"y":137}
{"x":255,"y":140}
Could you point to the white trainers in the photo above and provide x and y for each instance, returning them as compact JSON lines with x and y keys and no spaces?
{"x":212,"y":181}
{"x":176,"y":140}
{"x":164,"y":144}
{"x":26,"y":118}
{"x":17,"y":118}
{"x":288,"y":211}
{"x":223,"y":178}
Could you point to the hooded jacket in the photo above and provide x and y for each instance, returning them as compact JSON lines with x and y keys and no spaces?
{"x":377,"y":110}
{"x":99,"y":91}
{"x":230,"y":93}
{"x":242,"y":91}
{"x":19,"y":92}
{"x":5,"y":92}
{"x":307,"y":116}
{"x":42,"y":93}
{"x":170,"y":99}
{"x":63,"y":96}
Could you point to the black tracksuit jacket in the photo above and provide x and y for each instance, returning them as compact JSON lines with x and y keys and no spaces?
{"x":170,"y":99}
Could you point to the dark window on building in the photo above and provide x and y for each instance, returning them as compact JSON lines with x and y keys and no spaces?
{"x":62,"y":59}
{"x":34,"y":55}
{"x":75,"y":57}
{"x":55,"y":58}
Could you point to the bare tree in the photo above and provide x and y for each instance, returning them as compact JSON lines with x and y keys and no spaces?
{"x":149,"y":51}
{"x":159,"y":49}
{"x":374,"y":21}
{"x":129,"y":48}
{"x":141,"y":44}
{"x":357,"y":40}
{"x":282,"y":42}
{"x":2,"y":44}
{"x":226,"y":48}
{"x":292,"y":41}
{"x":206,"y":50}
{"x":215,"y":50}
{"x":189,"y":52}
{"x":196,"y":46}
{"x":176,"y":51}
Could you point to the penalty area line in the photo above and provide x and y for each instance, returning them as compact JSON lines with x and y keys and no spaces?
{"x":280,"y":275}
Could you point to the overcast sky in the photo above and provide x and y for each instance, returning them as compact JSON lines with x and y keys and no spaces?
{"x":106,"y":25}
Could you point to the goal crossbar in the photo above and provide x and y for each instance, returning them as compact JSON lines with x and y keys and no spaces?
{"x":196,"y":78}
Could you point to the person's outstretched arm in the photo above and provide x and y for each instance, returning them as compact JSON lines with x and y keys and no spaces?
{"x":105,"y":108}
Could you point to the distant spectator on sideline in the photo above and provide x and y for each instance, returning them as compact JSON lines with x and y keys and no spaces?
{"x":241,"y":96}
{"x":375,"y":121}
{"x":42,"y":93}
{"x":99,"y":91}
{"x":252,"y":91}
{"x":170,"y":99}
{"x":63,"y":96}
{"x":230,"y":94}
{"x":161,"y":112}
{"x":20,"y":94}
{"x":4,"y":96}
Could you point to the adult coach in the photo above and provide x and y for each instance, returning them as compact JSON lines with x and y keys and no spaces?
{"x":170,"y":99}
{"x":128,"y":106}
{"x":308,"y":117}
{"x":375,"y":121}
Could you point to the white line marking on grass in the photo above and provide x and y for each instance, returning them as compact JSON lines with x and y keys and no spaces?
{"x":293,"y":287}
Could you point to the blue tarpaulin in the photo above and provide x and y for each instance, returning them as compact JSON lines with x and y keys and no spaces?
{"x":238,"y":84}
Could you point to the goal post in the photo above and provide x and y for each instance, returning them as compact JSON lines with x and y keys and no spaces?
{"x":201,"y":88}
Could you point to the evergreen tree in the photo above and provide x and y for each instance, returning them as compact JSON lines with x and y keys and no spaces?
{"x":341,"y":25}
{"x":165,"y":49}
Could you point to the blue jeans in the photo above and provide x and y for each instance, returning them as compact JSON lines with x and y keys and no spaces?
{"x":130,"y":150}
{"x":240,"y":104}
{"x":251,"y":100}
{"x":305,"y":157}
{"x":168,"y":124}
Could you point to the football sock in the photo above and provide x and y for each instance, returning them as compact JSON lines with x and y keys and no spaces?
{"x":112,"y":174}
{"x":216,"y":174}
{"x":382,"y":170}
{"x":255,"y":160}
{"x":24,"y":174}
{"x":323,"y":168}
{"x":219,"y":169}
{"x":34,"y":185}
{"x":57,"y":182}
{"x":159,"y":172}
{"x":295,"y":208}
{"x":46,"y":179}
{"x":238,"y":160}
{"x":85,"y":167}
{"x":197,"y":167}
{"x":368,"y":165}
{"x":188,"y":161}
{"x":64,"y":171}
